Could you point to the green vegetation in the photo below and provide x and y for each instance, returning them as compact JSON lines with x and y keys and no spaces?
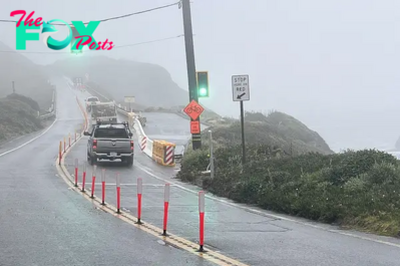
{"x":18,"y":116}
{"x":355,"y":189}
{"x":277,"y":130}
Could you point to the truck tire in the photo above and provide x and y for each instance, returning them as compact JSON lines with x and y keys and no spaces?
{"x":129,"y":161}
{"x":92,"y":160}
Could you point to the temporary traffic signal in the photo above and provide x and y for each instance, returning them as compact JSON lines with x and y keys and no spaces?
{"x":202,"y":84}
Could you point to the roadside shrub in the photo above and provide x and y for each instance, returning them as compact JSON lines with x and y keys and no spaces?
{"x":33,"y":104}
{"x":360,"y":189}
{"x":192,"y":163}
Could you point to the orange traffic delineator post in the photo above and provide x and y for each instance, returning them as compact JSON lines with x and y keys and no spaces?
{"x":139,"y":196}
{"x":201,"y":212}
{"x":60,"y":153}
{"x":118,"y":194}
{"x":166,"y":205}
{"x":83,"y":177}
{"x":103,"y":186}
{"x":93,"y":180}
{"x":76,"y":172}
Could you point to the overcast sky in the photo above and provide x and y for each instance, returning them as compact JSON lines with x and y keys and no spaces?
{"x":333,"y":64}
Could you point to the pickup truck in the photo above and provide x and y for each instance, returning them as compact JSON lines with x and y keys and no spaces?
{"x":104,"y":112}
{"x":89,"y":101}
{"x":110,"y":141}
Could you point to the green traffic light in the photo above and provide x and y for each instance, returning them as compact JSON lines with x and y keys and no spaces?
{"x":202,"y":84}
{"x":203,"y":91}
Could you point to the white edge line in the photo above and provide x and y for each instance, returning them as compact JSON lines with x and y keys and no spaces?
{"x":35,"y":138}
{"x":29,"y":141}
{"x":268,"y":214}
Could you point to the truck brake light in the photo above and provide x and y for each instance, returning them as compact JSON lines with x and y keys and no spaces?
{"x":132,"y":146}
{"x":94,"y":143}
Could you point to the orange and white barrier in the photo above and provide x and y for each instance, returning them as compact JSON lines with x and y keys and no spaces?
{"x":163,"y":152}
{"x":169,"y":155}
{"x":143,"y":143}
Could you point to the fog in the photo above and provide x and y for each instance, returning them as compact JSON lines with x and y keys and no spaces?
{"x":332,"y":64}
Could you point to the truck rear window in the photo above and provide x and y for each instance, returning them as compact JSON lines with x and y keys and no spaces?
{"x":114,"y":133}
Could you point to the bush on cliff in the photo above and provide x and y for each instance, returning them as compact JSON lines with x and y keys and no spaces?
{"x":357,"y":189}
{"x":277,"y":130}
{"x":18,"y":116}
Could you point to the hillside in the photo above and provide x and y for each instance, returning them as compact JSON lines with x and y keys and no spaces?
{"x":276,"y":130}
{"x":397,"y":145}
{"x":353,"y":189}
{"x":18,"y":116}
{"x":151,"y":84}
{"x":29,"y":79}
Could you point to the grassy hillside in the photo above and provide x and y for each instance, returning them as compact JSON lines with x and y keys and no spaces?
{"x":28,"y":78}
{"x":18,"y":116}
{"x":277,"y":130}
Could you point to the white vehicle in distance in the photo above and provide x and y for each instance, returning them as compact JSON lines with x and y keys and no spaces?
{"x":91,"y":100}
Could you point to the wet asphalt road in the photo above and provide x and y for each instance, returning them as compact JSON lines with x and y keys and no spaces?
{"x":255,"y":239}
{"x":44,"y":223}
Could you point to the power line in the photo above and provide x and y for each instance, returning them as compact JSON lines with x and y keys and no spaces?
{"x":115,"y":47}
{"x":139,"y":43}
{"x":111,"y":18}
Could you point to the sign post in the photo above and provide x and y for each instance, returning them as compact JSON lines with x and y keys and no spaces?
{"x":241,"y":93}
{"x":129,"y":99}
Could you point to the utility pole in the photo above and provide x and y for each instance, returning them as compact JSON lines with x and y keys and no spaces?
{"x":190,"y":64}
{"x":13,"y":86}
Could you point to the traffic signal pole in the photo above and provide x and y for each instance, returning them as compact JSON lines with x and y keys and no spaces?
{"x":190,"y":62}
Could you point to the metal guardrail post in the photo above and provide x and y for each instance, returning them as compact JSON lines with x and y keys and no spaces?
{"x":211,"y":155}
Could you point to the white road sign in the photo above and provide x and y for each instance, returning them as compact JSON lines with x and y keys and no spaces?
{"x":240,"y":88}
{"x":129,"y":99}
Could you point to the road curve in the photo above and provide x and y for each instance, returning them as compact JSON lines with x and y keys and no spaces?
{"x":43,"y":222}
{"x":250,"y":235}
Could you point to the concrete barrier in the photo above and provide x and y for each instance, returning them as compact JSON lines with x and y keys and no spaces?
{"x":145,"y":143}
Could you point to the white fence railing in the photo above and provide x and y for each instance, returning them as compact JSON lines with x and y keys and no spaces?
{"x":52,"y":110}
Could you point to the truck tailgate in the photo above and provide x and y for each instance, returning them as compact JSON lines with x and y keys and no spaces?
{"x":113,"y":145}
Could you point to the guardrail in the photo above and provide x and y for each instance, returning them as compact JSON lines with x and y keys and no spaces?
{"x":160,"y":151}
{"x":52,"y":110}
